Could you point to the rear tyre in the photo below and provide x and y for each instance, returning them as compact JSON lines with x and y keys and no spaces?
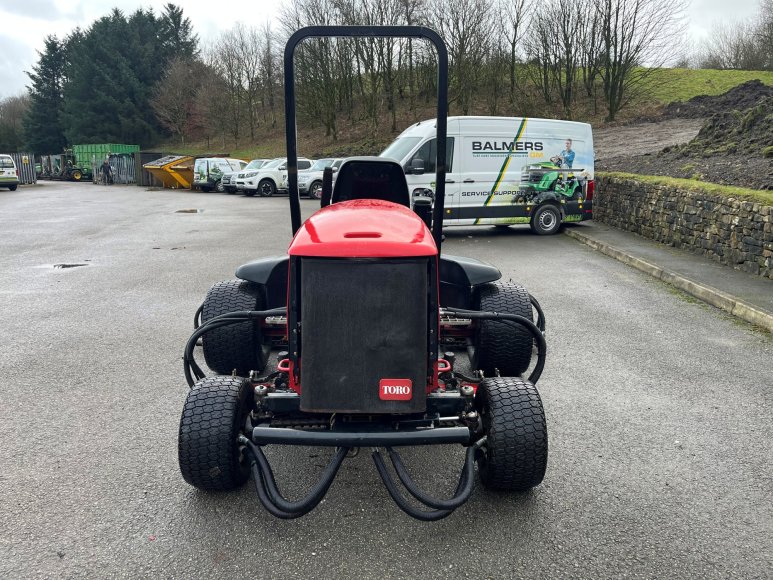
{"x":219,"y":187}
{"x":214,"y":415}
{"x":77,"y":175}
{"x":546,"y":220}
{"x":503,"y":347}
{"x":515,"y":455}
{"x":237,"y":348}
{"x":266,"y":188}
{"x":315,"y":190}
{"x":12,"y":187}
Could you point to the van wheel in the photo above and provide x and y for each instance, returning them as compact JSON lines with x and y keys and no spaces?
{"x":546,"y":220}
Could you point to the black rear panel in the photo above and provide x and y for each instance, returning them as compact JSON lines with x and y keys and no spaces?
{"x":363,"y":321}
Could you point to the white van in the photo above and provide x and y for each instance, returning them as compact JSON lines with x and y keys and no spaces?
{"x":504,"y":170}
{"x":208,"y":172}
{"x":9,"y":177}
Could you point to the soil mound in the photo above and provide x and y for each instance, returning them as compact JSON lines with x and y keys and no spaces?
{"x":739,"y":98}
{"x":748,"y":132}
{"x":732,"y":147}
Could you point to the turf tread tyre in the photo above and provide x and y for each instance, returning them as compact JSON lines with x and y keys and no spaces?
{"x":238,"y":347}
{"x":515,"y":455}
{"x":503,"y":347}
{"x":213,"y":415}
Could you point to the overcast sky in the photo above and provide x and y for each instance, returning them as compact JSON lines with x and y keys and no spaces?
{"x":25,"y":23}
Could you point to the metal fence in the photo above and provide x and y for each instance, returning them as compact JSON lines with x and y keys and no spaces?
{"x":25,"y":167}
{"x":123,"y":167}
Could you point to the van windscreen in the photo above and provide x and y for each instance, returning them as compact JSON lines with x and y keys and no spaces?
{"x":400,"y":148}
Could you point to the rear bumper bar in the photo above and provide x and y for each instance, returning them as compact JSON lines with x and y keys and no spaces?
{"x":289,"y":436}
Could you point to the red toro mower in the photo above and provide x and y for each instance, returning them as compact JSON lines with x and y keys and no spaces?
{"x":369,"y":317}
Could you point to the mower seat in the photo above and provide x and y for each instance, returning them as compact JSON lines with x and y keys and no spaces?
{"x":371,"y":178}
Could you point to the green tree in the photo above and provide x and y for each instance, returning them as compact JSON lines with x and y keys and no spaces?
{"x":176,"y":34}
{"x":111,"y":74}
{"x":43,"y":124}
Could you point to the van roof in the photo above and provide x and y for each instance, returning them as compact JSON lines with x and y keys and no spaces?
{"x":428,"y":126}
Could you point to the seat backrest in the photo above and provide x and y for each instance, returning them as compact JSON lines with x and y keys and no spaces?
{"x":371,"y":178}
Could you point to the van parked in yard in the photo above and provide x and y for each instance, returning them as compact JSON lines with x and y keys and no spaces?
{"x":9,"y":176}
{"x":208,"y":172}
{"x":504,"y":170}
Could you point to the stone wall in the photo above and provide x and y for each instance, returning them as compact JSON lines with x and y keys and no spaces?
{"x":731,"y":231}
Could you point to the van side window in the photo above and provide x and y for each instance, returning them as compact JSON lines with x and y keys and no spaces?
{"x":428,"y":154}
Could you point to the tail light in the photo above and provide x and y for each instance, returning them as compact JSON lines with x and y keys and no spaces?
{"x":590,"y":188}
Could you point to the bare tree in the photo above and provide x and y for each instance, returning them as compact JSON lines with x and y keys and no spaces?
{"x":635,"y":34}
{"x":174,"y":99}
{"x":12,"y":111}
{"x":465,"y":25}
{"x":315,"y":63}
{"x":512,"y":20}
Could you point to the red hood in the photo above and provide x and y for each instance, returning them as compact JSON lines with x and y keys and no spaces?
{"x":364,"y":228}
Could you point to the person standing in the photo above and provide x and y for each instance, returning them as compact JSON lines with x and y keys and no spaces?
{"x":106,"y":172}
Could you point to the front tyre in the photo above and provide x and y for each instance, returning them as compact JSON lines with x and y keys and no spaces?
{"x":236,"y":348}
{"x":214,"y":415}
{"x":266,"y":188}
{"x":219,"y":187}
{"x":515,"y":454}
{"x":546,"y":220}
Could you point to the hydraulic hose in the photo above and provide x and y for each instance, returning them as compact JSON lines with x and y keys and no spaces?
{"x":540,"y":313}
{"x":269,"y":494}
{"x":462,"y":493}
{"x":425,"y":516}
{"x":190,"y":368}
{"x":512,"y":320}
{"x":197,"y":316}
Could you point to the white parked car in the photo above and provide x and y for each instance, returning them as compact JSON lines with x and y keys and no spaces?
{"x":230,"y":179}
{"x":272,"y":177}
{"x":310,"y":182}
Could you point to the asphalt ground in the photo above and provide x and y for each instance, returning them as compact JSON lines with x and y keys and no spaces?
{"x":659,"y":412}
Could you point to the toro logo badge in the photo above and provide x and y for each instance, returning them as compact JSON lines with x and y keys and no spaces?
{"x":395,"y":389}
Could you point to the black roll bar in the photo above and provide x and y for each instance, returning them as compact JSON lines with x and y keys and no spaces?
{"x":442,"y":107}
